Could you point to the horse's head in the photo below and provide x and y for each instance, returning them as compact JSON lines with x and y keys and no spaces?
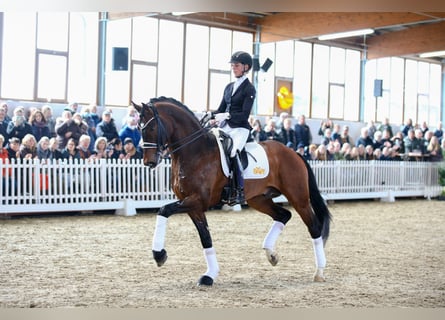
{"x":153,"y":134}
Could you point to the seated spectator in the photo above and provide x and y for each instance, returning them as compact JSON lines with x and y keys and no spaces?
{"x":439,"y":132}
{"x":371,"y":128}
{"x":43,"y":151}
{"x":39,"y":125}
{"x":130,"y":130}
{"x":377,"y":154}
{"x":107,"y":128}
{"x":345,"y":137}
{"x":369,"y":153}
{"x":327,"y":137}
{"x":84,"y":147}
{"x":257,"y":131}
{"x":54,"y":152}
{"x":408,"y":126}
{"x":386,"y":138}
{"x":3,"y":151}
{"x":325,"y":124}
{"x":101,"y":149}
{"x":303,"y":132}
{"x":279,"y":124}
{"x":424,"y":128}
{"x":131,"y":112}
{"x":385,"y":125}
{"x":336,"y":132}
{"x":353,"y":154}
{"x":410,"y":142}
{"x":13,"y":148}
{"x":377,"y":142}
{"x":364,"y":138}
{"x":130,"y":150}
{"x":398,"y":142}
{"x":18,"y":127}
{"x":311,"y":155}
{"x":434,"y":150}
{"x":271,"y":131}
{"x":361,"y":152}
{"x":117,"y":151}
{"x":88,"y":118}
{"x":301,"y":151}
{"x":386,"y":154}
{"x":50,"y":120}
{"x":287,"y":134}
{"x":28,"y":147}
{"x":330,"y":151}
{"x":419,"y":144}
{"x":5,"y":107}
{"x":67,"y":128}
{"x":345,"y":151}
{"x":70,"y":152}
{"x":3,"y":126}
{"x":321,"y":152}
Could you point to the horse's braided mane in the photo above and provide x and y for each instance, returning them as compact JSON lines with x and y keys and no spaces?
{"x":173,"y":101}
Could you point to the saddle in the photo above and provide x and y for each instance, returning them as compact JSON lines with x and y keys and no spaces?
{"x":227,"y":145}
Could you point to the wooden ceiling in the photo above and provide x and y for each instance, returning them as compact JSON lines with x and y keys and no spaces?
{"x":402,"y":34}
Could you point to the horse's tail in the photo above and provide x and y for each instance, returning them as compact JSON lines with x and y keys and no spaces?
{"x":318,"y":203}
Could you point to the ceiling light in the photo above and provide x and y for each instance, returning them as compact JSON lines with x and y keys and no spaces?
{"x":346,"y":34}
{"x":181,"y":13}
{"x":432,"y":54}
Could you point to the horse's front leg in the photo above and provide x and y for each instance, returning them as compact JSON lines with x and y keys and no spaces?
{"x":200,"y":221}
{"x":212,"y":272}
{"x":159,"y":253}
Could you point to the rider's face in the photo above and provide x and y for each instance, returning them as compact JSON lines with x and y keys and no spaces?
{"x":238,"y":69}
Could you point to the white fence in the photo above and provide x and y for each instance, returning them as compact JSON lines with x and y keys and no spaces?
{"x":124,"y":186}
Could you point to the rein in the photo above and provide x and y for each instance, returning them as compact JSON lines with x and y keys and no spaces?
{"x":161,"y":145}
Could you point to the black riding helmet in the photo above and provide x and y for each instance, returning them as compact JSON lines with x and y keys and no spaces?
{"x":242,"y":57}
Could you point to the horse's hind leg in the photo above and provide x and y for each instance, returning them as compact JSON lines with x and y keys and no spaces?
{"x":280,"y":216}
{"x":315,"y":229}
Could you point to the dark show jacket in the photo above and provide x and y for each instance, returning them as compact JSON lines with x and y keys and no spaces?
{"x":240,"y":104}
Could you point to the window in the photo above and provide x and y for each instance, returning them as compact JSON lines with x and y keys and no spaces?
{"x":302,"y":78}
{"x":170,"y":64}
{"x":196,"y":67}
{"x":19,"y":53}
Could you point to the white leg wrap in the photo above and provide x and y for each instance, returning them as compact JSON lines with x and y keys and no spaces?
{"x":320,"y":258}
{"x":159,"y":234}
{"x":212,"y":263}
{"x":272,"y":235}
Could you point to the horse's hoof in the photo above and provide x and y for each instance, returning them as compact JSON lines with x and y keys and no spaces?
{"x":318,"y":276}
{"x":272,"y":257}
{"x":319,"y":279}
{"x":160,"y":257}
{"x":205,"y":281}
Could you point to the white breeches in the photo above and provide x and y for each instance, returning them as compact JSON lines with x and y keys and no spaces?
{"x":239,"y":137}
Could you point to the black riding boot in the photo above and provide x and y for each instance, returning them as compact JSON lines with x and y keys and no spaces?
{"x":237,"y":194}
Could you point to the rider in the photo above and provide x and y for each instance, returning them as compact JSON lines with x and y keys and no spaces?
{"x":233,"y":114}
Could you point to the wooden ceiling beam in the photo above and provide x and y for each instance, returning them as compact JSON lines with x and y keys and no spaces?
{"x":412,"y":41}
{"x":304,"y":25}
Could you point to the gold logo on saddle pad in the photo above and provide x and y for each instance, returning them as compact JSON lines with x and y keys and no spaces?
{"x":258,"y":170}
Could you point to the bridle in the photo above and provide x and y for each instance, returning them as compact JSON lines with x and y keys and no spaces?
{"x":163,"y":149}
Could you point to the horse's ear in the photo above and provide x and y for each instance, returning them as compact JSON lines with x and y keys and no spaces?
{"x":136,"y":106}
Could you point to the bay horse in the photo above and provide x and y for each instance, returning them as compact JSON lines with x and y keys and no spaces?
{"x":169,"y":128}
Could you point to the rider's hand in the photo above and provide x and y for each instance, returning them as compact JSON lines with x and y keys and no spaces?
{"x":219,"y":117}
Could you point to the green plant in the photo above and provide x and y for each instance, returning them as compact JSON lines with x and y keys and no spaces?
{"x":442,"y":179}
{"x":442,"y":176}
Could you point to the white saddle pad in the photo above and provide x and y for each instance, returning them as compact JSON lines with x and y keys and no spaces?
{"x":258,"y":167}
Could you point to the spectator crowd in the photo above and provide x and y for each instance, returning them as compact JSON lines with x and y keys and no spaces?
{"x":83,"y":134}
{"x":77,"y":134}
{"x":376,"y":141}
